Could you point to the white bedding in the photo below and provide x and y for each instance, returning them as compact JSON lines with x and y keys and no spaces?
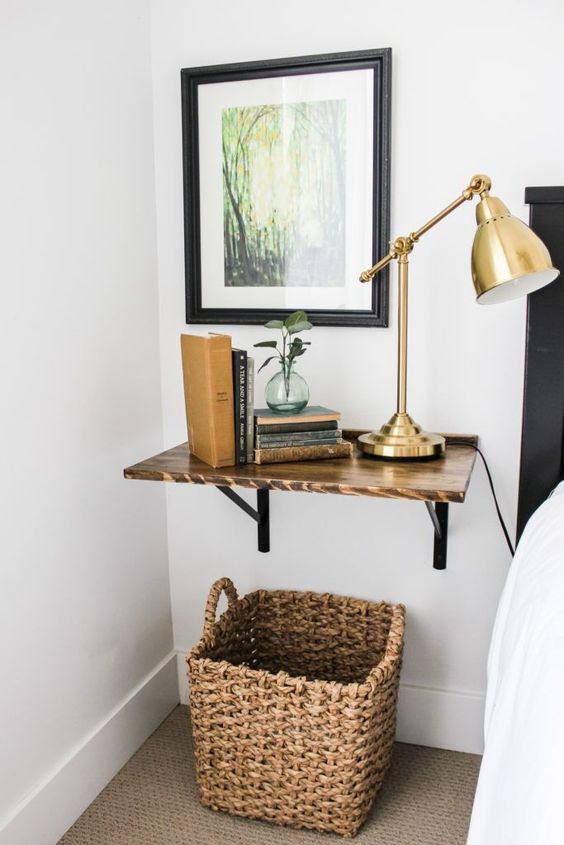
{"x":520,"y":795}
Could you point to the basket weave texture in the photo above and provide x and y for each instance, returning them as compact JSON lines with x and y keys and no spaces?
{"x":293,"y":702}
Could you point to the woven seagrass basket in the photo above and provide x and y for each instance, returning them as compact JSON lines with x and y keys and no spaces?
{"x":293,"y":702}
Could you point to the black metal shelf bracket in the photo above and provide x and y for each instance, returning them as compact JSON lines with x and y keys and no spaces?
{"x":439,"y":517}
{"x":261,"y":515}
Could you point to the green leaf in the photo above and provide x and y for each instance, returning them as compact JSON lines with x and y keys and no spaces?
{"x":295,"y":351}
{"x":294,"y":318}
{"x":305,"y":325}
{"x":274,"y":324}
{"x":270,"y":343}
{"x":268,"y":360}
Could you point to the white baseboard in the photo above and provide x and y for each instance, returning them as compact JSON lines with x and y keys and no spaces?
{"x":440,"y":718}
{"x":182,"y":676}
{"x":63,"y":795}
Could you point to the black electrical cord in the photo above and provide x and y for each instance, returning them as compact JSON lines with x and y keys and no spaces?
{"x":490,"y":479}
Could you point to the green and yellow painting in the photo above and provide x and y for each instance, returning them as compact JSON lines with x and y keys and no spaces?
{"x":284,"y":194}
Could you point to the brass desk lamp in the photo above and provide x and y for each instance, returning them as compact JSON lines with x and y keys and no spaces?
{"x":508,"y":261}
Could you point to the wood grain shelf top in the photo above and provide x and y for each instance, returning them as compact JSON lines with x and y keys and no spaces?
{"x":441,"y":480}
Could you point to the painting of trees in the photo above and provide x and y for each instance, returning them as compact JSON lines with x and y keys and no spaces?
{"x":284,"y":194}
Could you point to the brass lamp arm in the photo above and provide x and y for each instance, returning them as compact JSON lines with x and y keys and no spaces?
{"x":403,"y":245}
{"x":508,"y":260}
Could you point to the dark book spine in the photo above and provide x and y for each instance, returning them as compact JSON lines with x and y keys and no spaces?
{"x":249,"y":406}
{"x":240,"y":402}
{"x":301,"y":438}
{"x":282,"y":428}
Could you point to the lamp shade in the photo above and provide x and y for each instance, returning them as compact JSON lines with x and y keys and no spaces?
{"x":508,"y":259}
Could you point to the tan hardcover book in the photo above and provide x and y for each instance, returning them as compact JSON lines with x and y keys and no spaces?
{"x":208,"y":390}
{"x":285,"y":454}
{"x":311,"y":414}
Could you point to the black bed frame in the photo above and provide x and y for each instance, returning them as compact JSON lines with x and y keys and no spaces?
{"x":542,"y":444}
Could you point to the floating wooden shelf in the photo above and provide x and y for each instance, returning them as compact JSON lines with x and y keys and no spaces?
{"x":435,"y":482}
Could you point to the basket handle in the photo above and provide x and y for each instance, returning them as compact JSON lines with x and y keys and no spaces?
{"x":222,"y":585}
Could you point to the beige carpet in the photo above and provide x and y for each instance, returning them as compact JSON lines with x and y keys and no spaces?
{"x":426,"y":800}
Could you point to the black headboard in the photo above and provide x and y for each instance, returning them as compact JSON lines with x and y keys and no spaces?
{"x":542,"y":445}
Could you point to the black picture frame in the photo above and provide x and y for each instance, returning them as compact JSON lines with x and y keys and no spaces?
{"x":377,"y":60}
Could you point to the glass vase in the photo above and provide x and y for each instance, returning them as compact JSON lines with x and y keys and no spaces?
{"x":287,"y":392}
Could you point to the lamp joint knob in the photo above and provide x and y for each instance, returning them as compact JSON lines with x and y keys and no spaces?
{"x":479,"y":184}
{"x":403,"y":245}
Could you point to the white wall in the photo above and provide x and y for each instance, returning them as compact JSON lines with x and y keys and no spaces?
{"x":85,"y":612}
{"x":473,"y":91}
{"x":85,"y":633}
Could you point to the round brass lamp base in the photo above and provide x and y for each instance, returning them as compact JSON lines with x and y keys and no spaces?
{"x":401,"y":437}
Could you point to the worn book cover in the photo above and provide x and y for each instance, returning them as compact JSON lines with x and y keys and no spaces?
{"x":343,"y":449}
{"x":208,"y":391}
{"x":300,"y":438}
{"x":239,"y":359}
{"x":283,"y":428}
{"x":313,"y":413}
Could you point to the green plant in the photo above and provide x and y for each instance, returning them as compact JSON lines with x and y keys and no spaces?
{"x":292,"y":347}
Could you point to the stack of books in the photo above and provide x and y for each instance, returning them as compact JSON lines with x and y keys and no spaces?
{"x":219,"y":393}
{"x":312,"y":434}
{"x":223,"y":429}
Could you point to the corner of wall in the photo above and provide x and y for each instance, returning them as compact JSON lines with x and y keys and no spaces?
{"x":67,"y":790}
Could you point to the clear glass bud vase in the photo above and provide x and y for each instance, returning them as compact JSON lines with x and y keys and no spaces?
{"x":287,"y":392}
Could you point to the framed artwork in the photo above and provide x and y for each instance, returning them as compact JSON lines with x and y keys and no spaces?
{"x":286,"y":188}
